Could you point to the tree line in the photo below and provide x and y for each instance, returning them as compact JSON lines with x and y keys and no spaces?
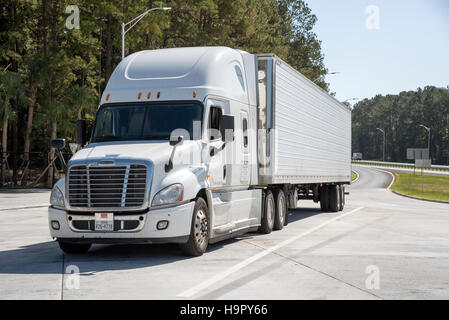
{"x":51,"y":75}
{"x":401,"y":117}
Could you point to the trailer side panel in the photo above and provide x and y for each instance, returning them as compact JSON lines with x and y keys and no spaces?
{"x":311,"y":140}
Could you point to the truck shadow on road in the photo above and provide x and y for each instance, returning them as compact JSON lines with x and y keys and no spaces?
{"x":47,"y":258}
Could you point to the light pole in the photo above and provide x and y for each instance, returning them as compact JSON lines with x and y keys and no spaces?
{"x":428,"y":140}
{"x":133,"y":22}
{"x":325,"y":75}
{"x":383,"y":157}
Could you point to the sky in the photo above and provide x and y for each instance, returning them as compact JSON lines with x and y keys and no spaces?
{"x":383,"y":46}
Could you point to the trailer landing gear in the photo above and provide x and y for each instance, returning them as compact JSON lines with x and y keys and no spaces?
{"x":324,"y":198}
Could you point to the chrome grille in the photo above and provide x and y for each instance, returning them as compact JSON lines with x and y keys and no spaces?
{"x":107,"y":187}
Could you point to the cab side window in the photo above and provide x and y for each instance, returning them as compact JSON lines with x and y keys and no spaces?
{"x":214,"y":123}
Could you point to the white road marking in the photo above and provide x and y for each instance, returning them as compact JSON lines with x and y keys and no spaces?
{"x":43,"y":205}
{"x":392,"y":176}
{"x":220,"y":276}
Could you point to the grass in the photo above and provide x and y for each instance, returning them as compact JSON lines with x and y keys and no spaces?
{"x":435,"y":187}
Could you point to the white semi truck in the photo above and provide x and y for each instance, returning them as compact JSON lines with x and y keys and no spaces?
{"x":197,"y":145}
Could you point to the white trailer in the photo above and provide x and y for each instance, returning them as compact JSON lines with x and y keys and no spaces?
{"x":196,"y":145}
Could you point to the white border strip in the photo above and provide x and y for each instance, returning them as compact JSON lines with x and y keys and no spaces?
{"x":226,"y":273}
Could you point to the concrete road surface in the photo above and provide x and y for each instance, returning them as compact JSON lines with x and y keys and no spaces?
{"x":381,"y":247}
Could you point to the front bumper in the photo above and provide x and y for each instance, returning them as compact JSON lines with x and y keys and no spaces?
{"x":179,"y":225}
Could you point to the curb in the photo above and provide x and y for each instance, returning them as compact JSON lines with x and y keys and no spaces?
{"x":416,"y":198}
{"x":411,"y":197}
{"x":404,"y":195}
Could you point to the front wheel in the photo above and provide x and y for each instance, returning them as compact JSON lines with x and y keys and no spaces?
{"x":74,"y":248}
{"x":199,"y":232}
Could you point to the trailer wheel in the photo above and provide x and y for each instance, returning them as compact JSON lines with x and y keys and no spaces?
{"x":324,"y":198}
{"x":74,"y":248}
{"x":342,"y":198}
{"x":281,"y":209}
{"x":199,"y":232}
{"x":334,"y":198}
{"x":288,"y":207}
{"x":268,"y":214}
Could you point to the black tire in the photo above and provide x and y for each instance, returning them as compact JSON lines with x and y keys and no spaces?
{"x":199,"y":232}
{"x":291,"y":205}
{"x":334,"y":202}
{"x":267,"y":223}
{"x":74,"y":248}
{"x":342,"y":198}
{"x":281,"y":209}
{"x":324,"y":198}
{"x":287,"y":213}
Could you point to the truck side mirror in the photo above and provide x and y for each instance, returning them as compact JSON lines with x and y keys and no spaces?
{"x":58,"y":144}
{"x":177,"y":140}
{"x":81,"y":136}
{"x":227,"y":127}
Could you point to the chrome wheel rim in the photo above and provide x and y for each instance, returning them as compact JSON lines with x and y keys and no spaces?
{"x":281,"y":208}
{"x":201,"y":229}
{"x":270,"y":211}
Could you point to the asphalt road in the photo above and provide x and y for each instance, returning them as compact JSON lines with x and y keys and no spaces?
{"x":381,"y":247}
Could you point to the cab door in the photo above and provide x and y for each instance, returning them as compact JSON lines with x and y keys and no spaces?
{"x":215,"y":160}
{"x":245,"y":147}
{"x":217,"y":164}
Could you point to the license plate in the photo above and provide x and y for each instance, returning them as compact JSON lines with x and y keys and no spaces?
{"x":104,"y":221}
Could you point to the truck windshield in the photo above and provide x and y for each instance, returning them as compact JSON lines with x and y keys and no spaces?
{"x":145,"y":121}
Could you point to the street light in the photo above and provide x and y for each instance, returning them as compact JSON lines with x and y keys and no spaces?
{"x":325,"y":75}
{"x":133,"y":22}
{"x":383,"y":157}
{"x":428,"y":141}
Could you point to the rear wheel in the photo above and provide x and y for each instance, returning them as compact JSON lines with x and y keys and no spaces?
{"x":267,"y":223}
{"x":334,"y":198}
{"x":324,"y":198}
{"x":199,"y":232}
{"x":342,"y":198}
{"x":74,"y":248}
{"x":281,"y":209}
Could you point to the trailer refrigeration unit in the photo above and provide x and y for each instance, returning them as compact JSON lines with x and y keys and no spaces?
{"x":197,"y":145}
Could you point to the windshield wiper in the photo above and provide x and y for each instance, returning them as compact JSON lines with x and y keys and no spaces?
{"x":156,"y":138}
{"x":107,"y":138}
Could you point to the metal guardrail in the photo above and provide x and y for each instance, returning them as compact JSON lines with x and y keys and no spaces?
{"x":399,"y":165}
